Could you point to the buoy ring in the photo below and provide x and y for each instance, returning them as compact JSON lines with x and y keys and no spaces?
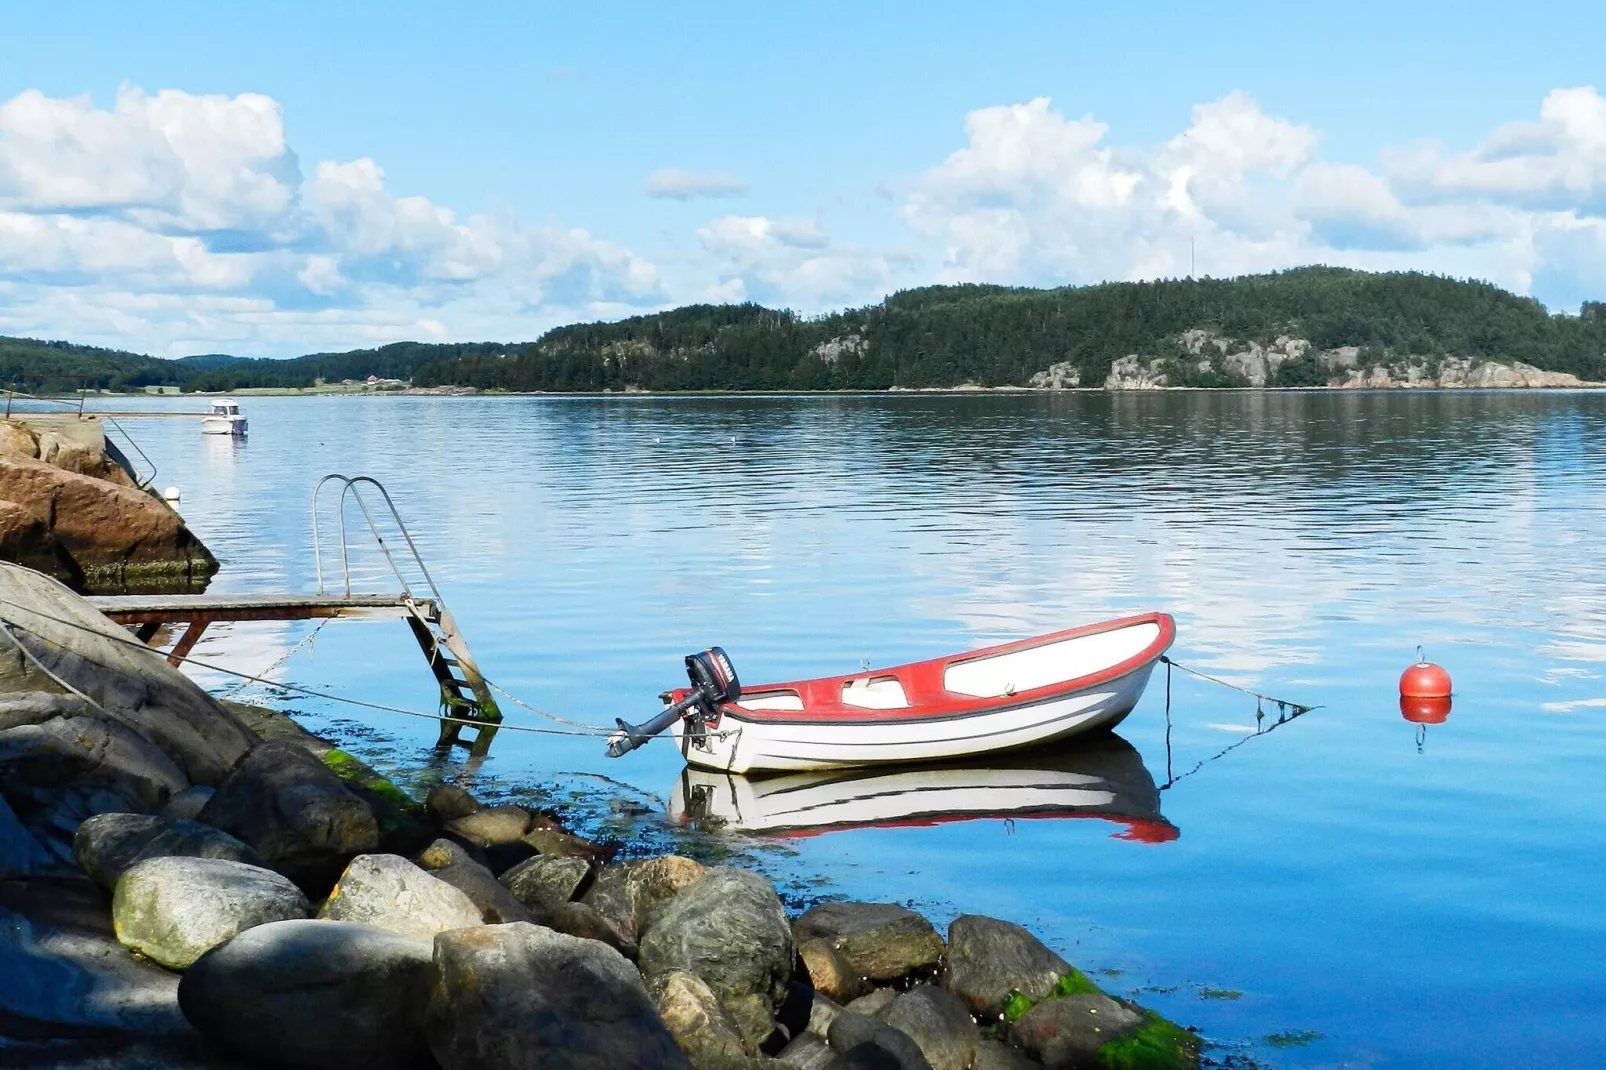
{"x":1424,"y":680}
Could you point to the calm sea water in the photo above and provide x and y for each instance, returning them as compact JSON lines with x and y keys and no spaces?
{"x":1350,"y":889}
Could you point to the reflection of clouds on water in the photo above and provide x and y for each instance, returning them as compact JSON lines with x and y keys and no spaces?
{"x":247,"y":647}
{"x":1575,"y":704}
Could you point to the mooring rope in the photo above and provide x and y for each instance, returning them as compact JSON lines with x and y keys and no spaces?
{"x":1288,"y":711}
{"x":1282,"y":703}
{"x":298,"y":689}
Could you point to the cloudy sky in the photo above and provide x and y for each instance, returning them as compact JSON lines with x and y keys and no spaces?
{"x":276,"y":179}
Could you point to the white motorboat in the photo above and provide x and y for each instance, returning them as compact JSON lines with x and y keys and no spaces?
{"x":225,"y":418}
{"x":1008,"y":697}
{"x":1102,"y":778}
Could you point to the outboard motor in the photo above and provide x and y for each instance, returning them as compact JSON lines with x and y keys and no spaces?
{"x":713,"y":684}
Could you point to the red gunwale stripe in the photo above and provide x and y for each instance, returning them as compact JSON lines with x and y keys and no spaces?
{"x":1134,"y":829}
{"x":922,"y":682}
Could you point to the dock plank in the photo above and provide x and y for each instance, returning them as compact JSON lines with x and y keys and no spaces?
{"x":141,"y":608}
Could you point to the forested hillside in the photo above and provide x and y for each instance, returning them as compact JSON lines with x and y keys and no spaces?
{"x":1303,"y":327}
{"x":37,"y":367}
{"x":997,"y":336}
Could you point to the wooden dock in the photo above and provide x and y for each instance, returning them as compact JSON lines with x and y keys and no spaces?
{"x":464,"y":694}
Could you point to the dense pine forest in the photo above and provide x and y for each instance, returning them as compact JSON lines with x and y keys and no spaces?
{"x":936,"y":336}
{"x":998,"y":336}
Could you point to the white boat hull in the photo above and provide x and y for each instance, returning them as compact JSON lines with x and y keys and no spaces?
{"x":224,"y":425}
{"x":738,"y":745}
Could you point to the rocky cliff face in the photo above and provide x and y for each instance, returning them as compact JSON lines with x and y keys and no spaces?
{"x":69,"y":510}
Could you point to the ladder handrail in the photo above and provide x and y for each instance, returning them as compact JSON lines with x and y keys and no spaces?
{"x":350,"y":486}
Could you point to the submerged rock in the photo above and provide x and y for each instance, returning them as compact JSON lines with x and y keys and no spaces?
{"x":174,"y":910}
{"x":545,"y":882}
{"x":694,"y":1016}
{"x":295,"y":812}
{"x":939,"y":1022}
{"x":491,"y":826}
{"x":521,"y":997}
{"x":390,"y":892}
{"x":881,"y":941}
{"x":1068,"y":1032}
{"x":988,"y":959}
{"x":108,"y":845}
{"x":447,"y":802}
{"x":729,"y":929}
{"x":320,"y":995}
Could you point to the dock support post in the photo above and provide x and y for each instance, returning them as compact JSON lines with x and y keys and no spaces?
{"x":186,"y":643}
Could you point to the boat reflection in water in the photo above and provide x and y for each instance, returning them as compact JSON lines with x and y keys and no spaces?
{"x":1102,"y":777}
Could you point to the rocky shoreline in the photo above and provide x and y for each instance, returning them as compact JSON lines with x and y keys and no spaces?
{"x":189,"y":884}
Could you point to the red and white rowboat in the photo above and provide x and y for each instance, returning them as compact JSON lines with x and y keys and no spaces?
{"x":1020,"y":694}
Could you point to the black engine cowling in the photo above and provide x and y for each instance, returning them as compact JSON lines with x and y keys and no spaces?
{"x":713,"y":684}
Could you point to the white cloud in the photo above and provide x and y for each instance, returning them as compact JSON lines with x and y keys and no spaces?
{"x":172,"y":221}
{"x":674,"y":184}
{"x":1036,"y":197}
{"x":793,"y":262}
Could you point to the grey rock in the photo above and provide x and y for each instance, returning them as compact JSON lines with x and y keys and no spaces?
{"x":578,"y":919}
{"x":390,"y":892}
{"x":544,"y":882}
{"x":63,"y":973}
{"x":88,"y":749}
{"x":865,"y":1042}
{"x":20,"y":854}
{"x":447,"y":802}
{"x":520,"y":997}
{"x":443,"y":852}
{"x":996,"y":1055}
{"x":319,"y":995}
{"x":872,"y":1004}
{"x":830,"y":972}
{"x":187,"y":805}
{"x":822,"y":1012}
{"x":134,"y":684}
{"x":694,"y":1016}
{"x":881,"y":941}
{"x":807,"y":1052}
{"x":174,"y":910}
{"x":107,"y":845}
{"x":37,"y":707}
{"x":988,"y":959}
{"x":628,"y":893}
{"x":496,"y":904}
{"x":729,"y":929}
{"x":939,"y":1022}
{"x":1067,"y":1032}
{"x":295,"y":812}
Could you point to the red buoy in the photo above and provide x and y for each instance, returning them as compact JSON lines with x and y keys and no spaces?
{"x":1424,"y":680}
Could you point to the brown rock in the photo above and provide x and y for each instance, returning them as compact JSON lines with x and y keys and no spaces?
{"x":17,"y":439}
{"x":1069,"y":1031}
{"x":881,"y":941}
{"x":552,"y":842}
{"x":115,"y":534}
{"x":491,"y":826}
{"x":830,"y":972}
{"x":26,"y":538}
{"x":693,"y":1015}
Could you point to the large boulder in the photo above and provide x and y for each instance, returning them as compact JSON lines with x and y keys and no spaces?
{"x":627,"y":893}
{"x":295,"y":811}
{"x":390,"y":892}
{"x":881,"y":941}
{"x":729,"y":929}
{"x":126,"y":680}
{"x":939,"y":1023}
{"x":108,"y":845}
{"x":117,"y":536}
{"x":318,"y":995}
{"x":89,"y":749}
{"x":511,"y":997}
{"x":696,"y":1019}
{"x":988,"y":959}
{"x":174,"y":910}
{"x":545,"y":882}
{"x":26,"y":538}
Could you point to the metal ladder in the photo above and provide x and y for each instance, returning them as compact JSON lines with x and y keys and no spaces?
{"x":464,"y":694}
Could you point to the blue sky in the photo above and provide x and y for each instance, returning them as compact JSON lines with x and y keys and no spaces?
{"x":279,"y":178}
